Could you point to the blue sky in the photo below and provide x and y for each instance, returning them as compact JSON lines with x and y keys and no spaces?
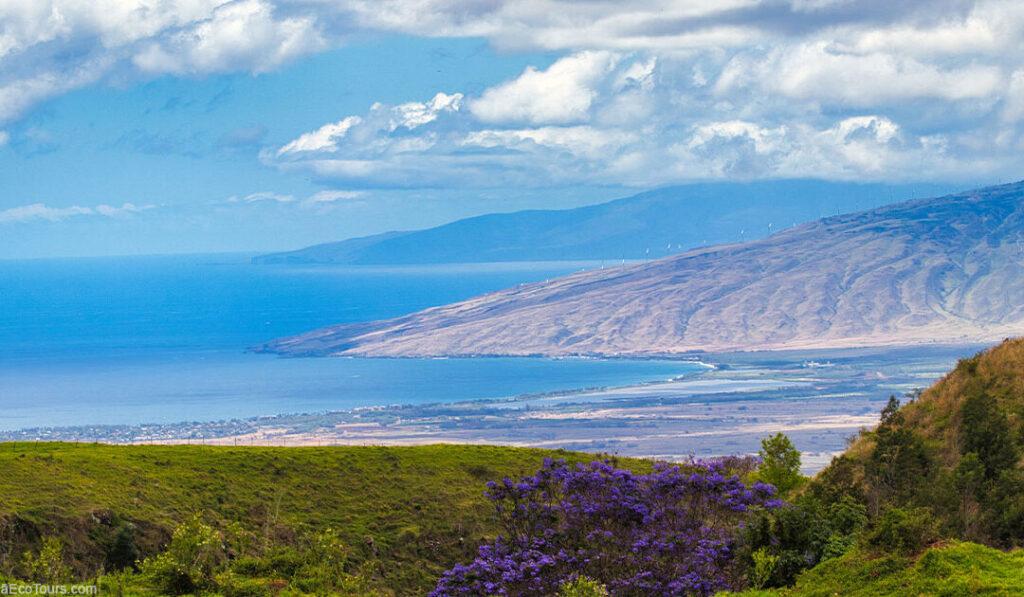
{"x":136,"y":126}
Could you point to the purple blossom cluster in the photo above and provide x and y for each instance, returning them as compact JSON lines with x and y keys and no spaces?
{"x":670,"y":532}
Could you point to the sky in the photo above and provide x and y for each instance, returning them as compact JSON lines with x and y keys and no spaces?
{"x":156,"y":126}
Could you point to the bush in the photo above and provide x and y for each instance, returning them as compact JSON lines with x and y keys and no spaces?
{"x":323,"y":564}
{"x":188,"y":565}
{"x":669,"y":532}
{"x":48,"y":565}
{"x":906,"y":531}
{"x":122,"y":552}
{"x":800,"y":535}
{"x":763,"y":568}
{"x":231,"y":585}
{"x":583,"y":587}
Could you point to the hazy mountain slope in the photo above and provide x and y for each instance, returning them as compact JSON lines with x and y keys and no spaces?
{"x":949,"y":269}
{"x":653,"y":224}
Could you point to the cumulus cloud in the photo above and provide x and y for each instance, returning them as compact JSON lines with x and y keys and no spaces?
{"x":239,"y":35}
{"x":646,"y":121}
{"x":414,"y":114}
{"x":583,"y":141}
{"x":50,"y":47}
{"x":322,"y":139}
{"x":563,"y":93}
{"x":821,"y":72}
{"x":641,"y":92}
{"x":41,"y":211}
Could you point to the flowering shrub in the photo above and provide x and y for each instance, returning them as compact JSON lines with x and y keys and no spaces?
{"x":670,"y":532}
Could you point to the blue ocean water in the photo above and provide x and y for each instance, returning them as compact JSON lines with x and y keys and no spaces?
{"x":163,"y":339}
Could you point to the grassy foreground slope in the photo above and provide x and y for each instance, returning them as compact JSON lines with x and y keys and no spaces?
{"x":953,"y":569}
{"x":408,"y":513}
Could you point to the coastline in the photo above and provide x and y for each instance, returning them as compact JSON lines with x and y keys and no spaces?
{"x":819,"y":399}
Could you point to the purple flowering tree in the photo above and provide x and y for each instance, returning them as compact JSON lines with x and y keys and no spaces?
{"x":670,"y":532}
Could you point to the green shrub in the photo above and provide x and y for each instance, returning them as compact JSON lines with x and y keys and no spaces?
{"x":905,"y":531}
{"x":117,"y":584}
{"x":194,"y":555}
{"x":583,"y":587}
{"x":48,"y":566}
{"x":763,"y":568}
{"x":122,"y":552}
{"x":232,"y":585}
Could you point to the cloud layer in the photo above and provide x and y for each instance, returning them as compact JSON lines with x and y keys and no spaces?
{"x":43,"y":212}
{"x":644,"y":92}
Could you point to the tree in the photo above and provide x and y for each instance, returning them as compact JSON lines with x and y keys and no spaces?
{"x":780,"y":463}
{"x":891,"y":412}
{"x":985,"y":432}
{"x":968,"y":479}
{"x":670,"y":532}
{"x":899,"y":463}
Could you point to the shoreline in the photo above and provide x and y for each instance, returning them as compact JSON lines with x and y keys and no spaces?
{"x":725,"y":407}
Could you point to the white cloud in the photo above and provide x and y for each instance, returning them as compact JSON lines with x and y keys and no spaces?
{"x":19,"y":94}
{"x":764,"y":140}
{"x":239,"y":35}
{"x":1013,"y":110}
{"x":320,"y":199}
{"x":50,"y":47}
{"x":333,"y":196}
{"x":41,"y":211}
{"x":263,"y":196}
{"x":643,"y":91}
{"x":324,"y":138}
{"x":822,"y":72}
{"x":641,"y":132}
{"x":4,"y":138}
{"x":360,"y":147}
{"x":923,"y":44}
{"x":880,"y":128}
{"x":414,"y":114}
{"x":582,"y":141}
{"x":112,"y":211}
{"x":559,"y":95}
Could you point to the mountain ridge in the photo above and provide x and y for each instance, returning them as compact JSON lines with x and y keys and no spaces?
{"x":651,"y":224}
{"x":948,"y":270}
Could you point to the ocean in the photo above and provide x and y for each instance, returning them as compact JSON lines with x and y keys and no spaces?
{"x":162,"y":339}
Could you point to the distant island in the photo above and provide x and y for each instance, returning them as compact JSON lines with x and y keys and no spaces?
{"x":948,"y":270}
{"x":649,"y":225}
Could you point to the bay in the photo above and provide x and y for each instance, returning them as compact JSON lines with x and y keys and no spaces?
{"x":163,"y":339}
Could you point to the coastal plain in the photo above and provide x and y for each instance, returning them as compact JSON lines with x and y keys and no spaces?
{"x":818,"y":398}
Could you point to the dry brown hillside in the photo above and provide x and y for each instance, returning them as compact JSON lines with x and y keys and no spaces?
{"x":947,"y":270}
{"x":997,"y":373}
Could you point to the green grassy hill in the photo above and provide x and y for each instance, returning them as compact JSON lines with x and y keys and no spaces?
{"x":403,"y":514}
{"x":956,"y":569}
